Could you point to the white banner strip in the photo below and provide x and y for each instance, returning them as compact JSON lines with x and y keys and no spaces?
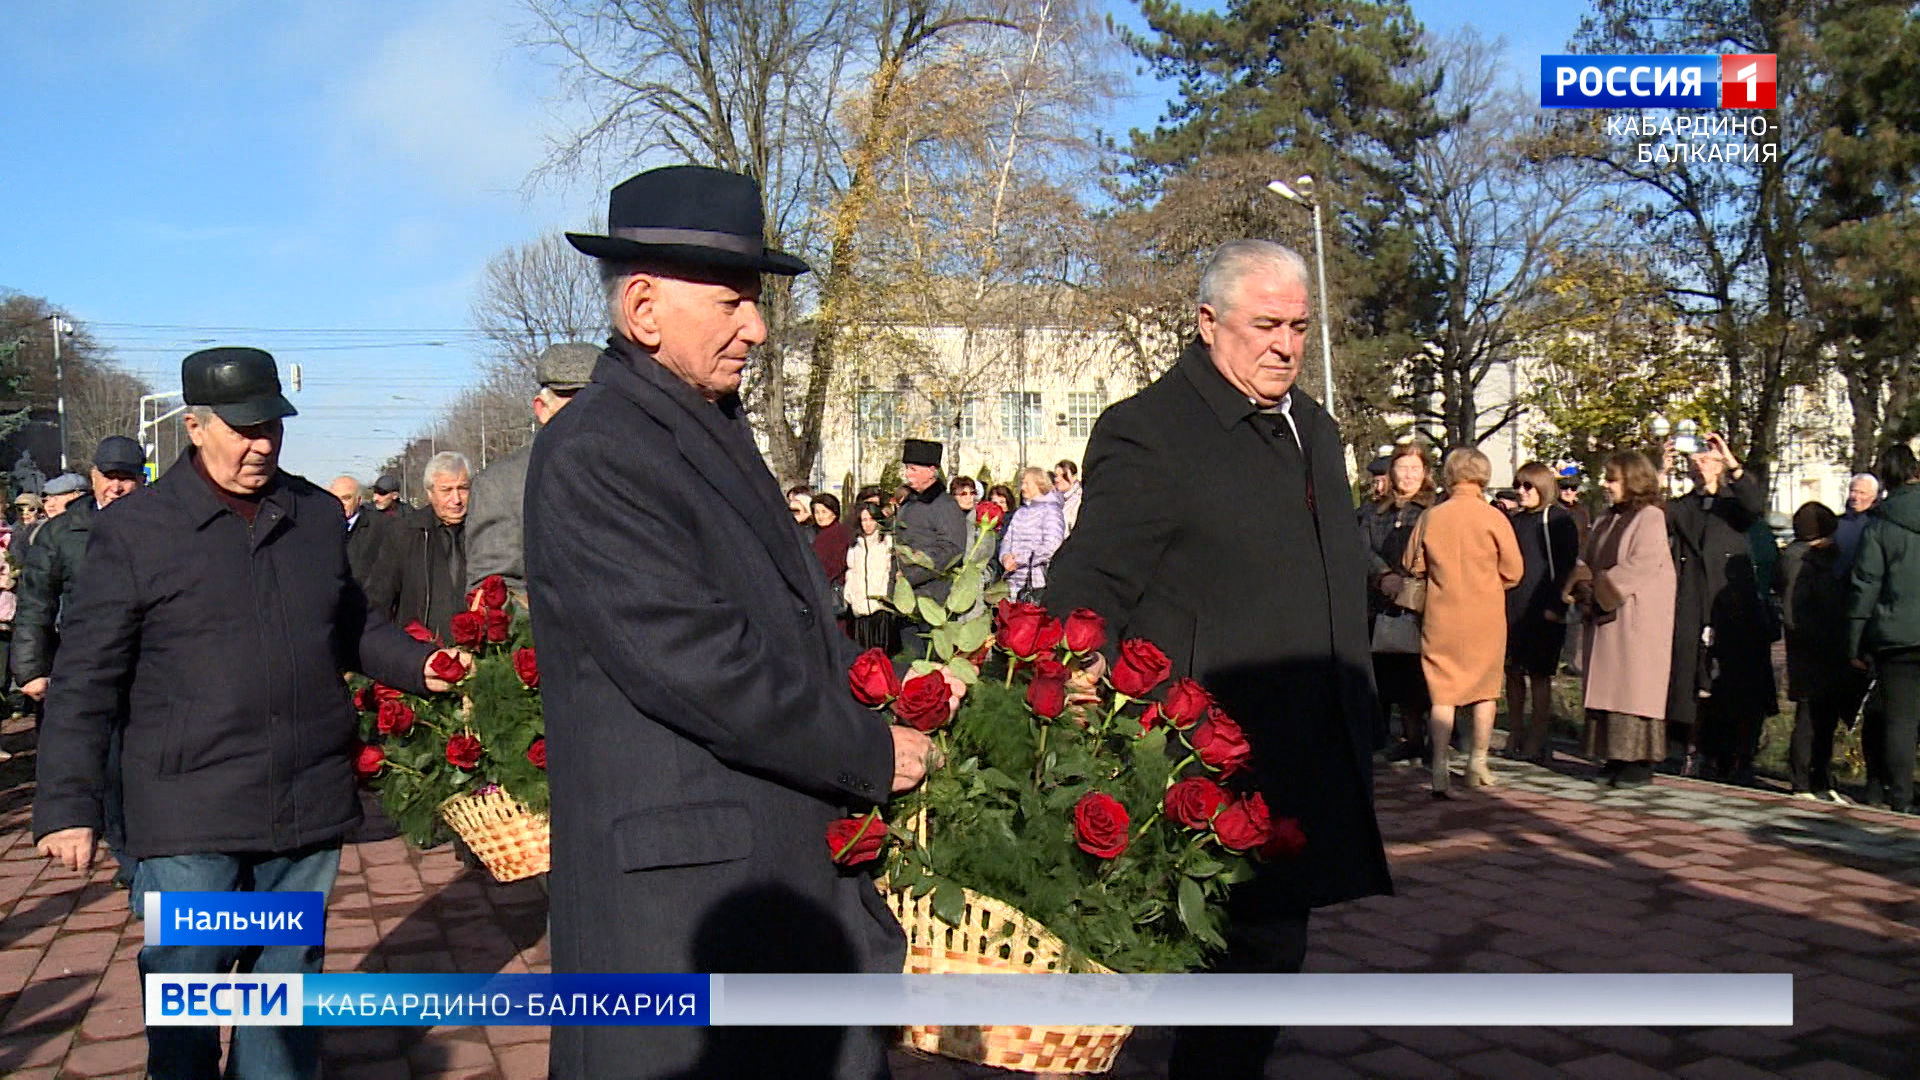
{"x":1369,"y":1000}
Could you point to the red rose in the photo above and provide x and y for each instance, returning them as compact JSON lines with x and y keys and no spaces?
{"x":1221,"y":744}
{"x":369,"y":760}
{"x":493,"y":592}
{"x":988,"y":512}
{"x":1141,"y":667}
{"x":873,"y":678}
{"x":469,"y":628}
{"x":1006,"y":611}
{"x":1100,"y":825}
{"x":463,"y":751}
{"x":1243,"y":825}
{"x":852,"y":841}
{"x":1187,"y":703}
{"x":1085,"y":631}
{"x":1046,"y":667}
{"x":395,"y":718}
{"x":537,"y":753}
{"x":1151,"y":718}
{"x":447,"y":667}
{"x":498,"y":626}
{"x":1047,"y":697}
{"x":925,"y":702}
{"x":527,"y":667}
{"x":1287,"y":840}
{"x":418,"y":632}
{"x":1193,"y":802}
{"x":363,"y":699}
{"x":384,"y":694}
{"x":1027,"y":631}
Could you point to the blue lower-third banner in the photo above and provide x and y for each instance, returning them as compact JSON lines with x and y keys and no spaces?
{"x":1356,"y":1000}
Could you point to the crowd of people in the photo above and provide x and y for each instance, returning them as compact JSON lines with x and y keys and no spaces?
{"x":696,"y":630}
{"x":1667,"y":607}
{"x":1016,"y":536}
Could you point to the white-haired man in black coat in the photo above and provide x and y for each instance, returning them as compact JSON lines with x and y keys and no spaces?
{"x":701,"y":734}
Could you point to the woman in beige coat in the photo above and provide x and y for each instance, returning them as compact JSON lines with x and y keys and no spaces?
{"x":1468,"y":553}
{"x":1625,"y":587}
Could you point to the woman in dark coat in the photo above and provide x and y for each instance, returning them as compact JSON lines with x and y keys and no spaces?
{"x":1722,"y":682}
{"x":1387,"y":523}
{"x":1824,"y":687}
{"x":1536,"y":615}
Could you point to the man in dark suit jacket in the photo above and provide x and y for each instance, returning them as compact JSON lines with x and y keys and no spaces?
{"x":1217,"y":524}
{"x":701,"y":734}
{"x":365,"y":528}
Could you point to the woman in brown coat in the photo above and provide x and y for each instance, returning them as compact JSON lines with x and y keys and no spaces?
{"x":1625,"y":586}
{"x":1470,"y":557}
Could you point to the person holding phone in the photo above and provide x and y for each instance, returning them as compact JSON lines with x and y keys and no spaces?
{"x":1722,"y":684}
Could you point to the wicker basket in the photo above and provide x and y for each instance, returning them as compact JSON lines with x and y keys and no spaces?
{"x":995,"y":938}
{"x":511,"y":841}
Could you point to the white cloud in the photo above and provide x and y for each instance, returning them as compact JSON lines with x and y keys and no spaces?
{"x":438,"y":97}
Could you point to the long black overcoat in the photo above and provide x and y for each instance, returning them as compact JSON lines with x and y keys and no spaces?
{"x":1713,"y":560}
{"x":1195,"y":535}
{"x":700,"y":730}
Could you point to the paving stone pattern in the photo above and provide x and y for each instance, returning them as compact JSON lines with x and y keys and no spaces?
{"x":1547,"y":872}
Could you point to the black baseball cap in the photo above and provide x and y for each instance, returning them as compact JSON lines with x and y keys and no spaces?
{"x":241,"y":386}
{"x":119,"y":455}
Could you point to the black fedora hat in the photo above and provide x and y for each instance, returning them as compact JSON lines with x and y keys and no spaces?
{"x":692,"y":215}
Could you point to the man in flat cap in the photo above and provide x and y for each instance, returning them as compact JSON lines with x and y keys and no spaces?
{"x":494,"y":539}
{"x":54,"y":560}
{"x":386,"y":496}
{"x":52,"y":566}
{"x":211,"y":626}
{"x":700,"y":732}
{"x":61,"y":492}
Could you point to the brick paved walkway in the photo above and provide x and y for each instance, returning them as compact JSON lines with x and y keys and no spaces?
{"x":1546,"y":873}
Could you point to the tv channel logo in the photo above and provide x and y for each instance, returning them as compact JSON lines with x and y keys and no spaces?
{"x":1658,"y":82}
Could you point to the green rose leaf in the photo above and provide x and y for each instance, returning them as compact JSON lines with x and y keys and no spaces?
{"x":966,"y":593}
{"x":949,"y":903}
{"x":902,"y":595}
{"x":931,"y":613}
{"x":963,"y":668}
{"x":1195,"y":916}
{"x":970,"y":635}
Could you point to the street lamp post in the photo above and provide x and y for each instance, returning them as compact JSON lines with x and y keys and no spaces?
{"x":1302,"y":193}
{"x":61,"y":328}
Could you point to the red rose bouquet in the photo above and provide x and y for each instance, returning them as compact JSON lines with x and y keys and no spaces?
{"x":488,"y":733}
{"x":1114,"y":811}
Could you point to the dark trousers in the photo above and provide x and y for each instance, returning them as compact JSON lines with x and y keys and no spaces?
{"x":1890,"y":748}
{"x":1833,"y":701}
{"x":1264,"y":943}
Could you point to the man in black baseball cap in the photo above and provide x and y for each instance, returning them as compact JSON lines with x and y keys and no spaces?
{"x":240,"y":385}
{"x":52,"y":565}
{"x":211,"y":631}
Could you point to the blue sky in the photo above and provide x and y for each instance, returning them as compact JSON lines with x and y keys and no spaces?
{"x":326,"y":180}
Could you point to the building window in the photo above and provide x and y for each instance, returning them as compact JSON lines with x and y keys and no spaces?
{"x":958,"y":418}
{"x":1082,"y":410}
{"x":879,"y":413}
{"x":1016,"y":405}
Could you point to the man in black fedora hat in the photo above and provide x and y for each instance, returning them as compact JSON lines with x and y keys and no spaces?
{"x":210,"y":629}
{"x":700,"y":732}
